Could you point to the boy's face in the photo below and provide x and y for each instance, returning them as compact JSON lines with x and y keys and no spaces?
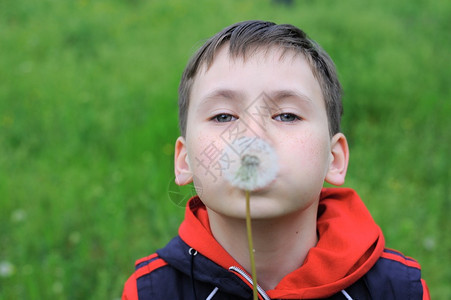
{"x":277,"y":99}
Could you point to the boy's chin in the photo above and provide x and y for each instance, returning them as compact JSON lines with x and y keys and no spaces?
{"x":265,"y":207}
{"x":235,"y":207}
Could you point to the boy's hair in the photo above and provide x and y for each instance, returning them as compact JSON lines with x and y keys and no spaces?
{"x":254,"y":35}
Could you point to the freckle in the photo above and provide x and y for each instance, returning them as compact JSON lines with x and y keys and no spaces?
{"x":297,"y":232}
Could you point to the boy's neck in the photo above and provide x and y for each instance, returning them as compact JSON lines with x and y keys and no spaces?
{"x":281,"y":245}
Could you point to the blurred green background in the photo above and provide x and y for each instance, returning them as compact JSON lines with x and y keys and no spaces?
{"x":88,"y":119}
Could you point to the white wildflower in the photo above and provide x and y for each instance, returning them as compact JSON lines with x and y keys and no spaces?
{"x":19,"y":215}
{"x":251,"y":164}
{"x":7,"y":269}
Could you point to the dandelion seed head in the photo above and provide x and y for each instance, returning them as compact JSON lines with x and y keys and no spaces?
{"x":249,"y":168}
{"x":250,"y":161}
{"x":253,"y":164}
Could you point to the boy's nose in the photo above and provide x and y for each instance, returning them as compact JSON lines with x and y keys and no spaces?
{"x":246,"y":127}
{"x":257,"y":116}
{"x":255,"y":128}
{"x":257,"y":122}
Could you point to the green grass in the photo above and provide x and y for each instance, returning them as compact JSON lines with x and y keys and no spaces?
{"x":88,"y":118}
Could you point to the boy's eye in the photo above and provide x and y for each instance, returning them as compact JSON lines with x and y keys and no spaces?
{"x":286,"y":117}
{"x":221,"y":118}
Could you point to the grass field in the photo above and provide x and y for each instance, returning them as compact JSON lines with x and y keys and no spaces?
{"x":88,"y":119}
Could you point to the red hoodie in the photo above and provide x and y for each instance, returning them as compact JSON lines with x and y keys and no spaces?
{"x":350,"y":244}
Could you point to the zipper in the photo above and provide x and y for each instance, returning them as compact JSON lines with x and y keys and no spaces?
{"x":249,"y":280}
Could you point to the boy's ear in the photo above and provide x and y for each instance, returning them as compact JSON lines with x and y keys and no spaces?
{"x":182,"y":169}
{"x":339,"y":160}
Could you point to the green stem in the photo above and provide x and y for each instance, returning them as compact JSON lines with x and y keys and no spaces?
{"x":251,"y":245}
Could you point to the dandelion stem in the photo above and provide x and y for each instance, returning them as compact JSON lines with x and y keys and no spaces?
{"x":251,"y":245}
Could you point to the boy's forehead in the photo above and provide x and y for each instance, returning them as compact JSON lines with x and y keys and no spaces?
{"x":260,"y":53}
{"x":228,"y":75}
{"x":229,"y":66}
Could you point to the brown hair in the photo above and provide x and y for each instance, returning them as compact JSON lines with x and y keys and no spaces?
{"x":250,"y":35}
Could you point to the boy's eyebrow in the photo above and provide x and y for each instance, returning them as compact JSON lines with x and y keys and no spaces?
{"x":281,"y":94}
{"x":275,"y":96}
{"x":222,"y":93}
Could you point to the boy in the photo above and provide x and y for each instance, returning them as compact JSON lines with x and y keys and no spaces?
{"x":261,"y":80}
